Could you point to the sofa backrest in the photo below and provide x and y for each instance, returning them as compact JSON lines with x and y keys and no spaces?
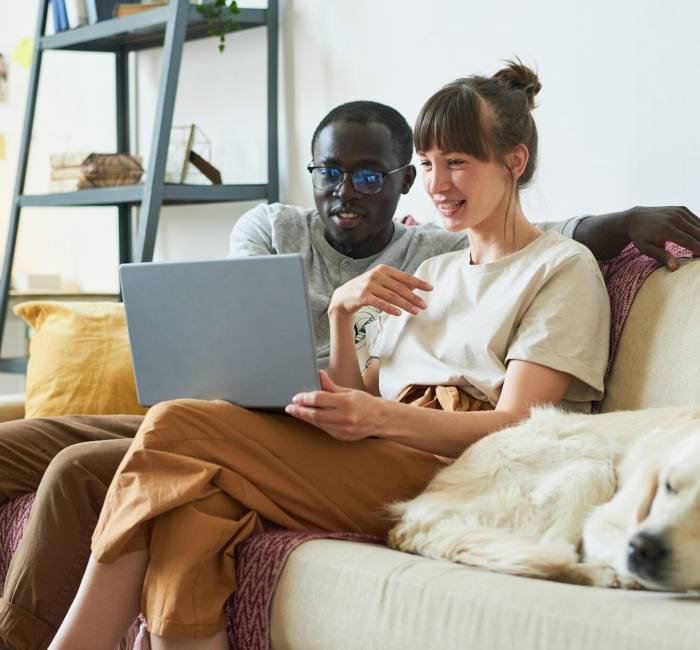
{"x":658,"y":355}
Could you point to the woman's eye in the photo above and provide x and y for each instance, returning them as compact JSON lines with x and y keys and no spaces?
{"x":456,"y":162}
{"x":669,"y":488}
{"x":425,"y":164}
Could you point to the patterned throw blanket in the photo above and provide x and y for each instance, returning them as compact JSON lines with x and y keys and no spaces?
{"x":262,"y":557}
{"x":624,"y":275}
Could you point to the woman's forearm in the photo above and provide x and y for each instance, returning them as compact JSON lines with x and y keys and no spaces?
{"x":342,"y":366}
{"x":439,"y":432}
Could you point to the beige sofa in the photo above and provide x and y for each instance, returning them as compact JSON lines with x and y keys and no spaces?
{"x":336,"y":595}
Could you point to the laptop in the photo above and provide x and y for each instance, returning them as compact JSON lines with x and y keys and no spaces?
{"x":235,"y":329}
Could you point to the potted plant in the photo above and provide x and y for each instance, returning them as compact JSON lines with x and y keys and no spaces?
{"x":221,"y":16}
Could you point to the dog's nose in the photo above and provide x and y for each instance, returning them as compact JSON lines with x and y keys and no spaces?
{"x":645,"y":555}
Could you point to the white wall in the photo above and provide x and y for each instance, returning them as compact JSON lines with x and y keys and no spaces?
{"x":616,"y":114}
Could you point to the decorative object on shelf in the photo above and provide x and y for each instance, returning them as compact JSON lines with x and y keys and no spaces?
{"x":221,"y":16}
{"x":128,"y":8}
{"x":211,"y":172}
{"x":181,"y":152}
{"x":71,"y":172}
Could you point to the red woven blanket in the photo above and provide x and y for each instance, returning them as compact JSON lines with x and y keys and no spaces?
{"x":624,"y":275}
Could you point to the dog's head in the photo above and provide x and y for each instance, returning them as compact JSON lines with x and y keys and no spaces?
{"x":664,"y":551}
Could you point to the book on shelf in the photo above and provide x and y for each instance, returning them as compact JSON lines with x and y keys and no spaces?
{"x":60,"y":18}
{"x":76,"y":11}
{"x":98,"y":10}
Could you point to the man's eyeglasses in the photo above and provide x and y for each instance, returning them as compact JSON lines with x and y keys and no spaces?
{"x":365,"y":181}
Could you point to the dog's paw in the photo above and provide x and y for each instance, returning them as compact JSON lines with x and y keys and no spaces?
{"x":400,"y":538}
{"x":628,"y":582}
{"x":591,"y":575}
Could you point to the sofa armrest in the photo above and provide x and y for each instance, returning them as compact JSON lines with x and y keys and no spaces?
{"x":11,"y":407}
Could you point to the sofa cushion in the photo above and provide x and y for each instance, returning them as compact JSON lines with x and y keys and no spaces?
{"x":89,"y":343}
{"x":345,"y":595}
{"x":658,"y":352}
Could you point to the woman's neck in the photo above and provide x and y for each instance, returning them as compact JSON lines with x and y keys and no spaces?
{"x":497,"y":238}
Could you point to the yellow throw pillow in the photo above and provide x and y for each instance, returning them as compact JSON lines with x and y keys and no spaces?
{"x":79,"y":360}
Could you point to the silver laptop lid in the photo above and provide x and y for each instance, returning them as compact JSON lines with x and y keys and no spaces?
{"x":235,"y":329}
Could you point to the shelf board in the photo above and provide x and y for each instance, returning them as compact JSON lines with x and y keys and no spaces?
{"x":173,"y":194}
{"x":14,"y":365}
{"x":140,"y":31}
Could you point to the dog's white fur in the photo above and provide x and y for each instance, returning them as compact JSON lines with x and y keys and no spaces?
{"x":560,"y":496}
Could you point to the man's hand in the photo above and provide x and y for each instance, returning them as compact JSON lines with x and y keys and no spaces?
{"x":651,"y":228}
{"x":383,"y":287}
{"x":344,"y":414}
{"x":648,"y":228}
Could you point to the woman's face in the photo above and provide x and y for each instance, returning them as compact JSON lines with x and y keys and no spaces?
{"x":467,"y":192}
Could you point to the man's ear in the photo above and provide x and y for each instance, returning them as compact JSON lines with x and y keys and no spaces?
{"x":409,"y":176}
{"x":647,"y":496}
{"x":516,"y":160}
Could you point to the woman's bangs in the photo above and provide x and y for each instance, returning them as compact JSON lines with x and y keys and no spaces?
{"x":451,"y":121}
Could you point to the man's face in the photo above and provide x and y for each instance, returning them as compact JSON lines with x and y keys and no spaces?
{"x":359,"y":225}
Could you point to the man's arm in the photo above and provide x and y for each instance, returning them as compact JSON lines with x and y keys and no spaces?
{"x":252,"y":234}
{"x":649,"y":228}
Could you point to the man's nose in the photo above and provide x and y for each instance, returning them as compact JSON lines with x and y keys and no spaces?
{"x":345,"y":189}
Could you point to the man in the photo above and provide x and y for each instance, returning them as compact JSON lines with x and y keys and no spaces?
{"x":361,"y":166}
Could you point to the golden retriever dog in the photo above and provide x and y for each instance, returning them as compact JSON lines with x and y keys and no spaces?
{"x":605,"y":500}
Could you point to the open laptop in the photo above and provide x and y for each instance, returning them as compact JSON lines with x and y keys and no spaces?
{"x":236,"y":329}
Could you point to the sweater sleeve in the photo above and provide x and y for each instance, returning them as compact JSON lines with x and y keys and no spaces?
{"x":252,"y":233}
{"x":566,"y":227}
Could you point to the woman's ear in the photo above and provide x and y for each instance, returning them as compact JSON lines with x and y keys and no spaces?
{"x":409,"y":175}
{"x":647,"y":495}
{"x":516,"y":160}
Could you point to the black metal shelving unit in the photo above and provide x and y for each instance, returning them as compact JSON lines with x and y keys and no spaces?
{"x":169,"y":27}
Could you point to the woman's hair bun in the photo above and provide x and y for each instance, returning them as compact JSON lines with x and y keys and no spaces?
{"x":518,"y":75}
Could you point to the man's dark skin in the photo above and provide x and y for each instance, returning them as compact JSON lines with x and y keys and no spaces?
{"x":351,"y":146}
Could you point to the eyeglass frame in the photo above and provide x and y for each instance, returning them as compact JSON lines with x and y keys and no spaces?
{"x":310,"y":168}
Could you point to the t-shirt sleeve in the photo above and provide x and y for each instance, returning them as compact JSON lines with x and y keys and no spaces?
{"x":566,"y":327}
{"x":566,"y":227}
{"x":252,"y":234}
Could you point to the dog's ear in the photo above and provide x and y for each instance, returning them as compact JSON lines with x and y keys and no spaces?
{"x":648,"y":494}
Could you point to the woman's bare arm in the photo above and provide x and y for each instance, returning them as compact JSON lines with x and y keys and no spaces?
{"x":350,"y":415}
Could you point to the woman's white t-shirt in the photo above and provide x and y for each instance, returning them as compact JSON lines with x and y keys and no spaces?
{"x":546,"y":303}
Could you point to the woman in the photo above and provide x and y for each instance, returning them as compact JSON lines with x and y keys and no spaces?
{"x":520,"y":320}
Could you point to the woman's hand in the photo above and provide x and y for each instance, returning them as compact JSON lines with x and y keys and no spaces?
{"x":343,"y":413}
{"x":383,"y":287}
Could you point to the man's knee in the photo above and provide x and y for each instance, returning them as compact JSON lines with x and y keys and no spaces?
{"x":86,"y":467}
